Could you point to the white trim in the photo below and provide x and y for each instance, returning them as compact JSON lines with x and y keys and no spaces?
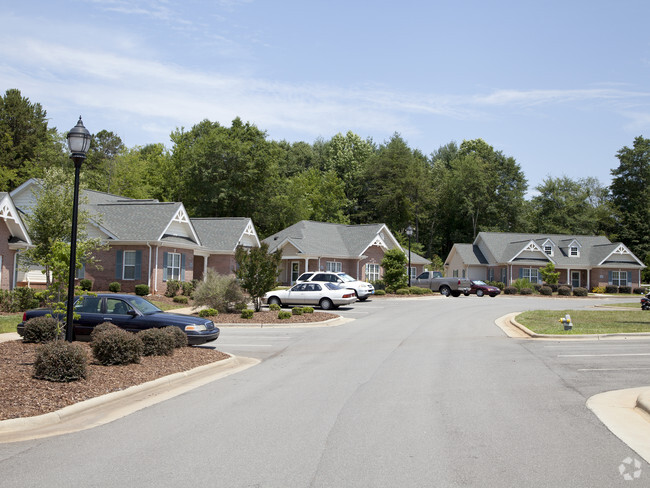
{"x":248,"y":231}
{"x":622,"y":249}
{"x":284,"y":242}
{"x":532,"y":246}
{"x":9,"y":212}
{"x":181,"y":217}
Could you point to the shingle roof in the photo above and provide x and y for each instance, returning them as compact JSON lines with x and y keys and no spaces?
{"x":470,"y":254}
{"x":220,"y":234}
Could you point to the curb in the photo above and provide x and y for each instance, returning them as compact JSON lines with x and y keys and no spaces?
{"x":112,"y":406}
{"x":643,"y":402}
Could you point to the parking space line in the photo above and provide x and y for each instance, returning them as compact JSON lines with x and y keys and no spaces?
{"x":602,"y":355}
{"x":613,"y":369}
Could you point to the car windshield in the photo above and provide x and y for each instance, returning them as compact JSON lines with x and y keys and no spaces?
{"x":478,"y":282}
{"x":333,"y":286}
{"x":145,"y":307}
{"x":345,"y":277}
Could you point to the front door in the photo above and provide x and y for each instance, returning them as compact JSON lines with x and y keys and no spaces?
{"x":295,"y":271}
{"x":575,"y":279}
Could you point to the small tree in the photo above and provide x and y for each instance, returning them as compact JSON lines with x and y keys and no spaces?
{"x":257,"y":271}
{"x":549,"y":275}
{"x":394,"y":264}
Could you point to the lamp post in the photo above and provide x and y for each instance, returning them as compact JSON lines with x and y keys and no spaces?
{"x":78,"y":142}
{"x":409,"y":232}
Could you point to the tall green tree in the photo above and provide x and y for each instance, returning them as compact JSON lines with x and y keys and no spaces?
{"x":99,"y":167}
{"x":631,"y":196}
{"x":258,"y":270}
{"x":394,"y":265}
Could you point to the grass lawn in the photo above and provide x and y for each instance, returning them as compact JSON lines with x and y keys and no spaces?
{"x":168,"y":305}
{"x":9,"y":322}
{"x":636,"y":305}
{"x":587,"y":321}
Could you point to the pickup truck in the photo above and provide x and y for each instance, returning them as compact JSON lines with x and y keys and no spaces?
{"x":446,"y":286}
{"x":129,"y":312}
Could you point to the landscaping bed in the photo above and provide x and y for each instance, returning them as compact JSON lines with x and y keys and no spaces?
{"x":586,"y":321}
{"x":268,"y":317}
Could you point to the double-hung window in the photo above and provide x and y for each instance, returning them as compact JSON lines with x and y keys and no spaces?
{"x":173,"y":266}
{"x":128,"y":267}
{"x":372,"y":272}
{"x":333,"y":266}
{"x":619,"y":278}
{"x":530,"y":274}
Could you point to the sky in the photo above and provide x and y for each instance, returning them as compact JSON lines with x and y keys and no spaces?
{"x":561,"y":86}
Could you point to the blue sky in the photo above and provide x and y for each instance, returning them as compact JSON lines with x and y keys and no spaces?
{"x":560,"y":86}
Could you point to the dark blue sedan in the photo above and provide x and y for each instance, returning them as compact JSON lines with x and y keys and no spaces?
{"x":132,"y":313}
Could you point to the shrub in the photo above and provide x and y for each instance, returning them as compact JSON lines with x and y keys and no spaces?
{"x":521,"y":284}
{"x":117,"y":347}
{"x":188,"y":287}
{"x":86,"y":285}
{"x":60,"y":361}
{"x":101,"y":328}
{"x":564,"y":290}
{"x":6,"y":301}
{"x":181,"y":299}
{"x":274,"y":307}
{"x":296,"y":311}
{"x":24,"y":298}
{"x":417,"y":290}
{"x":554,"y":287}
{"x":509,"y":290}
{"x":402,"y":291}
{"x":247,"y":313}
{"x":526,"y":291}
{"x":156,"y":342}
{"x":179,"y":337}
{"x":639,"y":291}
{"x":379,"y":285}
{"x":625,"y":289}
{"x":173,"y":286}
{"x":380,"y":292}
{"x":580,"y":292}
{"x":43,"y":329}
{"x":220,"y":292}
{"x":283,"y":314}
{"x":537,"y":287}
{"x":499,"y":284}
{"x":546,"y":290}
{"x":142,"y":290}
{"x":598,"y":289}
{"x":611,"y":289}
{"x":114,"y":287}
{"x":208,"y":312}
{"x":307,"y":310}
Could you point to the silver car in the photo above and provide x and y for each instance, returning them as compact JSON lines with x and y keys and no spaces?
{"x":325,"y":295}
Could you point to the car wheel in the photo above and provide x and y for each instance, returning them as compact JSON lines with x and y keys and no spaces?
{"x":492,"y":296}
{"x":480,"y":293}
{"x":326,"y":304}
{"x":466,"y":293}
{"x":363,"y":299}
{"x":455,"y":294}
{"x":274,"y":301}
{"x":445,"y":290}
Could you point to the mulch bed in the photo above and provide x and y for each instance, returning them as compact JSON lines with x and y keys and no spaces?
{"x":268,"y":317}
{"x":23,"y":396}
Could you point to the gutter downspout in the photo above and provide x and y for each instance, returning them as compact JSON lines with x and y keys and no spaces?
{"x":149,"y":269}
{"x":155,"y":273}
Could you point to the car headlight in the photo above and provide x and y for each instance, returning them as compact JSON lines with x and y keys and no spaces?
{"x":195,"y":328}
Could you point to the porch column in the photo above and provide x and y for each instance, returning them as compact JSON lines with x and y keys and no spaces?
{"x":306,"y":264}
{"x":205,"y":267}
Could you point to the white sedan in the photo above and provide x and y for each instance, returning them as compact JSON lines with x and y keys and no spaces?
{"x":325,"y":295}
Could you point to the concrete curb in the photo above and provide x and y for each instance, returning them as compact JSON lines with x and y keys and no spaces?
{"x":9,"y":336}
{"x":112,"y":406}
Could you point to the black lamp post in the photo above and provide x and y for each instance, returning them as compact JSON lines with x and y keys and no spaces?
{"x":78,"y":142}
{"x":409,"y":232}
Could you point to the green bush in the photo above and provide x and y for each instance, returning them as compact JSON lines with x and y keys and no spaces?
{"x":522,"y":284}
{"x":173,"y":286}
{"x":19,"y":299}
{"x":274,"y":307}
{"x":554,"y":287}
{"x":101,"y":328}
{"x":402,"y":291}
{"x":283,"y":314}
{"x":379,"y":285}
{"x":188,"y":287}
{"x":117,"y":347}
{"x":296,"y":311}
{"x":114,"y":287}
{"x":43,"y":329}
{"x":178,"y":336}
{"x":509,"y":290}
{"x":417,"y":290}
{"x":499,"y":284}
{"x":526,"y":291}
{"x":537,"y":287}
{"x":639,"y":291}
{"x":220,"y":292}
{"x":86,"y":285}
{"x":546,"y":290}
{"x":247,"y":313}
{"x":307,"y":310}
{"x":380,"y":292}
{"x":156,"y":342}
{"x":60,"y":361}
{"x":611,"y":289}
{"x":580,"y":292}
{"x":625,"y":289}
{"x":598,"y":289}
{"x":564,"y":291}
{"x":142,"y":290}
{"x":181,"y":299}
{"x":208,"y":312}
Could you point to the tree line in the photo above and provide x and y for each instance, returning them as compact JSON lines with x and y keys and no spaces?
{"x":447,"y":196}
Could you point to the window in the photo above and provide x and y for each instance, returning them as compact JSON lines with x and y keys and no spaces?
{"x":333,"y":266}
{"x":173,"y":266}
{"x":128,"y":271}
{"x":491,"y":274}
{"x":372,"y":272}
{"x":548,"y":250}
{"x":573,"y":251}
{"x":619,"y":278}
{"x":413,"y":272}
{"x":530,"y":274}
{"x":128,"y":265}
{"x":454,"y":273}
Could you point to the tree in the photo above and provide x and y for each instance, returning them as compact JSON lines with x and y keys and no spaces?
{"x":257,"y":270}
{"x":394,"y":265}
{"x":549,"y":275}
{"x":99,"y":167}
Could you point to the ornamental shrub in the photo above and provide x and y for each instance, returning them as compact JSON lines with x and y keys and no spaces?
{"x":639,"y":291}
{"x":86,"y":284}
{"x":208,"y":312}
{"x":580,"y":292}
{"x":625,"y":289}
{"x":546,"y":290}
{"x":402,"y":291}
{"x":611,"y":289}
{"x":179,"y":337}
{"x":173,"y":286}
{"x":274,"y":307}
{"x":188,"y":287}
{"x":564,"y":291}
{"x":60,"y":361}
{"x":417,"y":290}
{"x":296,"y":311}
{"x":526,"y":291}
{"x":499,"y":284}
{"x":283,"y":314}
{"x":521,"y":284}
{"x":221,"y":292}
{"x":101,"y":328}
{"x":24,"y":298}
{"x":43,"y":329}
{"x":181,"y":299}
{"x":114,"y":287}
{"x":247,"y":313}
{"x":142,"y":290}
{"x":509,"y":290}
{"x":307,"y":310}
{"x":554,"y":287}
{"x":156,"y":342}
{"x":380,"y":292}
{"x":117,"y":347}
{"x":598,"y":289}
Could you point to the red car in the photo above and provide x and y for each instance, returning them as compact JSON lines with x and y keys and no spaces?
{"x":481,"y":288}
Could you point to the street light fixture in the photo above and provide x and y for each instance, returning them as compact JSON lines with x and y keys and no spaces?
{"x":409,"y":232}
{"x":78,"y":142}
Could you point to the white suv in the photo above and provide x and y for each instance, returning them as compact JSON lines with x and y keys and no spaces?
{"x":362,"y":289}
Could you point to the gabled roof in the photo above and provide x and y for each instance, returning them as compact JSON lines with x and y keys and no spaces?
{"x":9,"y":214}
{"x":222,"y":235}
{"x":470,"y":254}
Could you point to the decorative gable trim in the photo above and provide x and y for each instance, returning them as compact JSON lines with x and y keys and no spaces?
{"x":9,"y":214}
{"x":286,"y":241}
{"x":181,"y":217}
{"x":250,"y":231}
{"x":532,"y":246}
{"x":621,"y":250}
{"x":383,"y":235}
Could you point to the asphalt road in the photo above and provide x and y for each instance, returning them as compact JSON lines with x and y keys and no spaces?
{"x":413,"y":393}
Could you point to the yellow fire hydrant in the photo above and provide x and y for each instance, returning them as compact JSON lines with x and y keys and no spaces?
{"x":566,"y":321}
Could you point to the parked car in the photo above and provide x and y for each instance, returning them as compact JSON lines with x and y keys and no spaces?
{"x":481,"y":288}
{"x":325,"y":295}
{"x":130,"y":312}
{"x":446,"y":286}
{"x":362,"y":289}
